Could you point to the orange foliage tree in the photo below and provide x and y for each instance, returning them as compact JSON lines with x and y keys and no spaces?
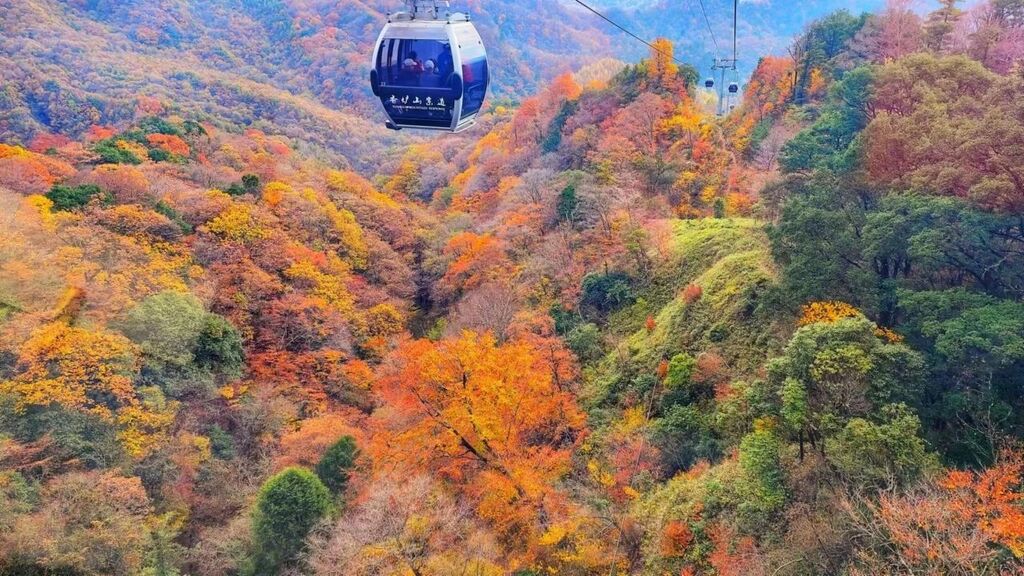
{"x":305,"y":445}
{"x":961,"y":524}
{"x":489,"y":417}
{"x":127,"y":183}
{"x":770,"y":86}
{"x":169,"y":143}
{"x":474,"y":260}
{"x":24,"y":171}
{"x":993,"y":500}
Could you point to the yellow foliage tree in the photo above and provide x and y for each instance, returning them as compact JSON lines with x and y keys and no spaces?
{"x":238,"y":223}
{"x":826,"y":312}
{"x":90,"y":372}
{"x":8,"y":151}
{"x":352,"y":183}
{"x":833,"y":311}
{"x":662,"y":67}
{"x":356,"y":252}
{"x":42,"y":206}
{"x":328,"y":286}
{"x":686,"y":124}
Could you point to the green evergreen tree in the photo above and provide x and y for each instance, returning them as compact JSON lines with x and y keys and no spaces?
{"x":335,"y":467}
{"x":869,"y":453}
{"x":568,"y":203}
{"x":939,"y":25}
{"x":832,"y":372}
{"x":287,"y":507}
{"x":719,"y":207}
{"x":762,"y":489}
{"x":251,"y":183}
{"x":219,"y":347}
{"x":69,"y":198}
{"x":164,"y":555}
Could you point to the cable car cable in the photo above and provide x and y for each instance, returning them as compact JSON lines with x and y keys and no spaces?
{"x":623,"y":28}
{"x":711,"y":32}
{"x":735,"y":13}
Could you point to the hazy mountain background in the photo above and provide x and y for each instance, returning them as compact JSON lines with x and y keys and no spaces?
{"x":298,"y":67}
{"x":765,"y":26}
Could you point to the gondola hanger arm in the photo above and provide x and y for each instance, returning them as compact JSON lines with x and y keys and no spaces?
{"x":432,"y":8}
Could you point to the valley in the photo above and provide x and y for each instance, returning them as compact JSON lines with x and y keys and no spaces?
{"x":245,"y":330}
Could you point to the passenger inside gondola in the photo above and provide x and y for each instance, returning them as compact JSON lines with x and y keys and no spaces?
{"x":430,"y":78}
{"x":411,"y":66}
{"x":429,"y":65}
{"x":445,"y":63}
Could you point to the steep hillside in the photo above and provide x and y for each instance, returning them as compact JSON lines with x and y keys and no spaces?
{"x":605,"y":332}
{"x":718,"y":271}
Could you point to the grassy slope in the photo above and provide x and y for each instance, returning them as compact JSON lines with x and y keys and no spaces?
{"x":731,"y":261}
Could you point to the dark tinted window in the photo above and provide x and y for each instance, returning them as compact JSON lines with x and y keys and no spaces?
{"x":474,"y":78}
{"x":415,"y":80}
{"x":414,"y":63}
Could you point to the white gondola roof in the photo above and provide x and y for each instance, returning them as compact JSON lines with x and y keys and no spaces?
{"x":417,"y":30}
{"x":400,"y":26}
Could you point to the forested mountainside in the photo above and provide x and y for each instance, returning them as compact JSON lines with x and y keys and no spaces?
{"x":291,"y":67}
{"x":606,"y":332}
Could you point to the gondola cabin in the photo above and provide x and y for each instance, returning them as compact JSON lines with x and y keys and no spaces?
{"x":429,"y":71}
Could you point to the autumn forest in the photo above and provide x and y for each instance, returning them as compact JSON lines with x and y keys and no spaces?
{"x":608,"y":331}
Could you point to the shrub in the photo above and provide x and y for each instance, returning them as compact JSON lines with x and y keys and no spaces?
{"x":69,"y":198}
{"x":680,"y":371}
{"x":158,"y":155}
{"x":606,"y":292}
{"x":110,"y":153}
{"x":334,"y":468}
{"x":287,"y":507}
{"x":692,"y":293}
{"x":586,"y":342}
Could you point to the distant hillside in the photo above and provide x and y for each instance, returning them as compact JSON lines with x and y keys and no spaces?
{"x":71,"y":69}
{"x":295,"y":67}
